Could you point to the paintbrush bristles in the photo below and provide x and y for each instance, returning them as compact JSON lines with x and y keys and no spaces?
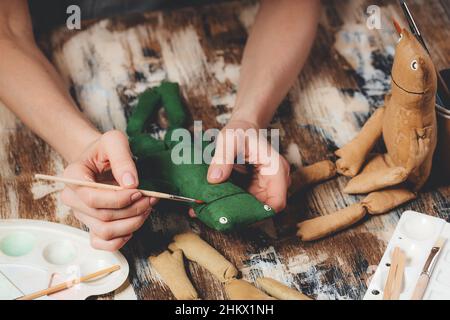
{"x":397,"y":26}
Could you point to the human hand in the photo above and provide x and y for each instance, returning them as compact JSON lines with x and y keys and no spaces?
{"x":111,"y":216}
{"x":270,"y":176}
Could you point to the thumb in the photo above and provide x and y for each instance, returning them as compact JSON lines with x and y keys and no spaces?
{"x":222,"y":163}
{"x":115,"y":146}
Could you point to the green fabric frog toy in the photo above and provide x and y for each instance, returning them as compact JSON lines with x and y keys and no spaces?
{"x":226,"y":206}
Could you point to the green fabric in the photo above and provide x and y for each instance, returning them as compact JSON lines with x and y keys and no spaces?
{"x":226,"y":207}
{"x":171,"y":101}
{"x":144,"y":145}
{"x":147,"y":103}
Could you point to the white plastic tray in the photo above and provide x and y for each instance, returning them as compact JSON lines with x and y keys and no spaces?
{"x":37,"y":254}
{"x":416,"y":234}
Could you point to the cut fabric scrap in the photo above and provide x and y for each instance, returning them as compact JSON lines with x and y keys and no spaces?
{"x":280,"y":291}
{"x":199,"y":251}
{"x":170,"y":267}
{"x":238,"y":289}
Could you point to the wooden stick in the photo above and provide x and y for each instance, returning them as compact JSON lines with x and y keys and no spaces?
{"x":391,"y":275}
{"x":96,"y":185}
{"x":399,"y":274}
{"x":394,"y":281}
{"x":68,"y":284}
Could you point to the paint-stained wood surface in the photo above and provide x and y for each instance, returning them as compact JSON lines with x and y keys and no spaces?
{"x":110,"y":61}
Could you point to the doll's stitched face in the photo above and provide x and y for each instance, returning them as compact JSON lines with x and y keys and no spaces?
{"x":413,"y":70}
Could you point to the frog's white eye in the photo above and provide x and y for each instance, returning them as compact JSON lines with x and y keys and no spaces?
{"x":223,"y":220}
{"x":267,"y":208}
{"x":414,"y":65}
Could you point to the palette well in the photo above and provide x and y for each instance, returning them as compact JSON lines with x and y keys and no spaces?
{"x":35,"y":255}
{"x":415,"y":234}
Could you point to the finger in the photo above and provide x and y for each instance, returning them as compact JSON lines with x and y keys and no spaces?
{"x":277,"y":190}
{"x":276,"y":186}
{"x":191,"y":213}
{"x":69,"y":198}
{"x":99,"y":198}
{"x":117,"y":151}
{"x":112,"y":229}
{"x":222,"y":163}
{"x":111,"y":245}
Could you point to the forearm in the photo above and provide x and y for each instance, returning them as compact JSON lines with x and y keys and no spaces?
{"x":32,"y":89}
{"x":276,"y":50}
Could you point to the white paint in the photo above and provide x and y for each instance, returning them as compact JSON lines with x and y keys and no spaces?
{"x":8,"y":124}
{"x":292,"y":155}
{"x":224,"y":72}
{"x":13,"y":202}
{"x":247,"y":15}
{"x":269,"y":268}
{"x":42,"y":189}
{"x":356,"y":44}
{"x":97,"y":88}
{"x":308,"y":268}
{"x":7,"y":118}
{"x":263,"y":265}
{"x":125,"y":292}
{"x":302,"y":262}
{"x":223,"y":118}
{"x":327,"y":108}
{"x":183,"y":55}
{"x":226,"y":100}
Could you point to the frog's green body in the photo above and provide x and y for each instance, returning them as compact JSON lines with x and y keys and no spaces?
{"x":226,"y":206}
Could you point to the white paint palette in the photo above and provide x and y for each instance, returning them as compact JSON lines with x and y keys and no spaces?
{"x":416,"y":234}
{"x":35,"y":255}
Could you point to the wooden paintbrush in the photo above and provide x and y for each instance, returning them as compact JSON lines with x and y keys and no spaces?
{"x":443,"y":92}
{"x":394,"y":281}
{"x":96,"y":185}
{"x":68,"y":284}
{"x":427,"y":270}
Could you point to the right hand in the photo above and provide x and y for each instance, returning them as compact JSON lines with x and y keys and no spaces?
{"x":111,"y":216}
{"x":270,"y":175}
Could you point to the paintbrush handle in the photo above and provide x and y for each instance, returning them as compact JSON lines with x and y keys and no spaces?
{"x":67,"y":284}
{"x":421,"y":287}
{"x":97,"y":185}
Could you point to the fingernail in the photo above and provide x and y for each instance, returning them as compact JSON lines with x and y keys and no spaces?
{"x":215,"y":173}
{"x":136,"y":196}
{"x":153,"y":201}
{"x":128,"y":179}
{"x":127,"y":237}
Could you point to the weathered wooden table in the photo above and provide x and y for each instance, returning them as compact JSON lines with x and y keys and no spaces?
{"x":110,"y":61}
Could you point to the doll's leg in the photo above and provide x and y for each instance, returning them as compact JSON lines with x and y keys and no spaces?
{"x":383,"y":201}
{"x":376,"y":175}
{"x":170,"y":266}
{"x":375,"y":203}
{"x":354,"y":153}
{"x":323,"y":226}
{"x":198,"y":250}
{"x":312,"y":174}
{"x":238,"y":289}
